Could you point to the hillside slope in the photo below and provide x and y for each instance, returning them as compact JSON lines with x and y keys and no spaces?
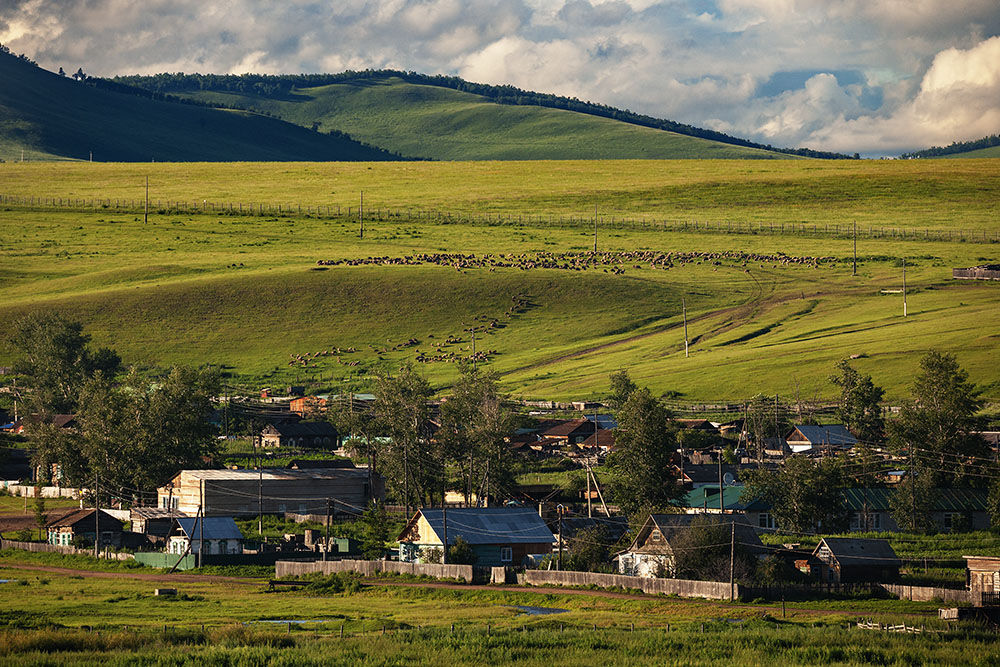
{"x":48,"y":116}
{"x":445,"y":124}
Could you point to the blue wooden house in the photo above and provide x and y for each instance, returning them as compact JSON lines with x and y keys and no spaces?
{"x":498,"y":535}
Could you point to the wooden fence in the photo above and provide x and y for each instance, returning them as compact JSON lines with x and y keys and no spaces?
{"x":370,"y":568}
{"x":45,"y":547}
{"x":413,"y":215}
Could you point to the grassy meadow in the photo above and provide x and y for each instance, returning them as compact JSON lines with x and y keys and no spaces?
{"x":245,"y":293}
{"x":443,"y":124}
{"x":78,"y":618}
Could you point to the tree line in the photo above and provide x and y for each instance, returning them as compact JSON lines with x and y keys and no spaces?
{"x":955,"y":147}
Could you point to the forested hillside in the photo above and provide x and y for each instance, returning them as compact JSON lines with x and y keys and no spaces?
{"x":47,"y":116}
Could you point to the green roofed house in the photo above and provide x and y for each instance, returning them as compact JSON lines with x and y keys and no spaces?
{"x":498,"y":535}
{"x":952,"y":510}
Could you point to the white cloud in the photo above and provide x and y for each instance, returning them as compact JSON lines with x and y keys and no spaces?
{"x":851,"y":75}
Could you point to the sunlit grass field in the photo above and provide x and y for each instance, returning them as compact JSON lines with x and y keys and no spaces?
{"x":244,"y":292}
{"x":77,"y":619}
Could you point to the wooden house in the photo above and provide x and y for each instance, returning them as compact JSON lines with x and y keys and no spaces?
{"x":498,"y":535}
{"x":271,"y":491}
{"x":854,"y":560}
{"x":651,"y":553}
{"x":84,"y":524}
{"x":303,"y":435}
{"x":306,"y":406}
{"x":156,"y":522}
{"x":218,"y":536}
{"x":571,"y":432}
{"x":982,"y":577}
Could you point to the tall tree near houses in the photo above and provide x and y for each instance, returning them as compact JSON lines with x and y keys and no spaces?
{"x":804,"y":494}
{"x":622,"y":387}
{"x":860,"y":407}
{"x":474,"y":424}
{"x":55,"y":360}
{"x":411,"y":463}
{"x":936,"y":430}
{"x":136,"y":434}
{"x":642,"y":465}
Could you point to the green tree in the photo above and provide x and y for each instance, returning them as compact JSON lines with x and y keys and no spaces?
{"x":589,"y":550}
{"x":764,"y":420}
{"x":374,"y":530}
{"x":912,"y":502}
{"x":993,"y":501}
{"x":411,"y":463}
{"x":135,"y":435}
{"x":702,"y":551}
{"x":642,"y":464}
{"x":474,"y":424}
{"x":936,"y":430}
{"x":860,"y":407}
{"x":56,"y":360}
{"x":461,"y":553}
{"x":804,"y":494}
{"x":41,"y":518}
{"x":622,"y":387}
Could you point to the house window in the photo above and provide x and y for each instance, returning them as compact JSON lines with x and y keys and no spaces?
{"x":765,"y":520}
{"x":655,"y":536}
{"x":506,"y":554}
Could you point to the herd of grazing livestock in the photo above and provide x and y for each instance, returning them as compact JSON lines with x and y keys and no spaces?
{"x":610,"y":262}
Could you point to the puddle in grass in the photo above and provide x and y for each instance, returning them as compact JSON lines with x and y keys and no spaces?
{"x":8,"y":581}
{"x":539,"y":611}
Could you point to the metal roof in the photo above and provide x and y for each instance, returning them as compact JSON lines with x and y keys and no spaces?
{"x":273,"y":474}
{"x":859,"y":551}
{"x":943,"y":500}
{"x":490,"y":525}
{"x":829,"y":434}
{"x":216,"y":528}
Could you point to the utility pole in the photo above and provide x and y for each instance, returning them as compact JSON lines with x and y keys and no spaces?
{"x":854,"y":272}
{"x":904,"y":287}
{"x":201,"y":523}
{"x":326,"y":542}
{"x":361,"y":216}
{"x":444,"y":522}
{"x":732,"y":559}
{"x":595,"y":228}
{"x":97,"y":516}
{"x":684,"y":308}
{"x":145,"y":211}
{"x":559,"y":511}
{"x":722,"y":506}
{"x":590,"y":511}
{"x":258,"y":445}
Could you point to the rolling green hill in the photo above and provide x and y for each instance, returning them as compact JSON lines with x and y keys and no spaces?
{"x":246,"y":292}
{"x":987,"y":147}
{"x":52,"y":117}
{"x":421,"y":120}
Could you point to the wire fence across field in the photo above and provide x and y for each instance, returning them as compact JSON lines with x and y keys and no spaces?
{"x":418,"y":215}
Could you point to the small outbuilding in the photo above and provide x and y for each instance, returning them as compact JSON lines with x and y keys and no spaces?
{"x":809,"y":438}
{"x":855,"y":560}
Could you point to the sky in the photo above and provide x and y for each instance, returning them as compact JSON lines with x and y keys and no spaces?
{"x":877,"y":77}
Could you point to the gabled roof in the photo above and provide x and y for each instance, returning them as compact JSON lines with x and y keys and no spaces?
{"x":851,"y":551}
{"x":707,"y":497}
{"x":571,"y":427}
{"x":828,"y":434}
{"x":311,"y":464}
{"x":216,"y":528}
{"x":304,"y":429}
{"x":604,"y":437}
{"x":84,"y":520}
{"x":487,"y":525}
{"x":671,"y":525}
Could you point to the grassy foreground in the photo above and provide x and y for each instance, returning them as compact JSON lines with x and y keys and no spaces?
{"x":245,"y":293}
{"x":76,"y":618}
